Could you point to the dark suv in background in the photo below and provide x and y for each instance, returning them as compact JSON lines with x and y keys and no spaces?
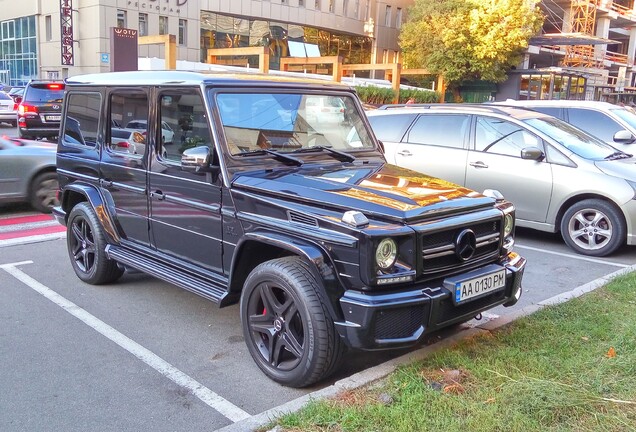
{"x":40,"y":109}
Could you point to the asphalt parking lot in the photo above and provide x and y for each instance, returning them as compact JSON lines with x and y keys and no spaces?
{"x":145,"y":355}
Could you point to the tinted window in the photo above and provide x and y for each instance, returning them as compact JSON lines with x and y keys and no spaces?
{"x":82,"y":118}
{"x":184,"y":123}
{"x":124,"y":107}
{"x":44,"y":93}
{"x":494,"y":135}
{"x":446,"y":130}
{"x":594,"y":122}
{"x":391,"y":128}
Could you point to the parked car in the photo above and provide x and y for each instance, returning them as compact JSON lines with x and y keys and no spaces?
{"x":8,"y":109}
{"x":16,"y":94}
{"x":167,"y":133}
{"x":614,"y":124}
{"x":323,"y":244}
{"x":40,"y":109}
{"x":27,"y":173}
{"x":558,"y":177}
{"x":321,"y":109}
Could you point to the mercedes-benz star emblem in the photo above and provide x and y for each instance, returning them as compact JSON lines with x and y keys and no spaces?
{"x":465,"y":244}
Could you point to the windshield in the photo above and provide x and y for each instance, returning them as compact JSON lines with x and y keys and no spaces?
{"x":290,"y":122}
{"x":627,"y":115}
{"x":575,"y":140}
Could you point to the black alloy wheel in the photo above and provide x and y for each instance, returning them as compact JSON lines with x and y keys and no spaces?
{"x":86,"y":247}
{"x":287,"y":329}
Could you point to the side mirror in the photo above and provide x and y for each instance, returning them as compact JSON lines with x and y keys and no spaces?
{"x":624,"y":137}
{"x":532,"y":153}
{"x":196,"y":159}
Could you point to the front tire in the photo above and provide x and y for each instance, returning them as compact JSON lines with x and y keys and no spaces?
{"x":287,"y":328}
{"x":593,"y":227}
{"x":86,"y":245}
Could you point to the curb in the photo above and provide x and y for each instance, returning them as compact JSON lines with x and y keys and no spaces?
{"x":380,"y":371}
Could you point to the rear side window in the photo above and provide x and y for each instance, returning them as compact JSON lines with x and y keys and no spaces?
{"x":447,"y":130}
{"x":82,"y":118}
{"x":391,"y":128}
{"x":45,"y":93}
{"x":594,"y":122}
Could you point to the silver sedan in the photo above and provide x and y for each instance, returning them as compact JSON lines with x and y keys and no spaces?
{"x":558,"y":177}
{"x":27,"y":173}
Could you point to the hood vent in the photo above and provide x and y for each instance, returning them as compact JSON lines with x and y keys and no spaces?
{"x":302,"y":219}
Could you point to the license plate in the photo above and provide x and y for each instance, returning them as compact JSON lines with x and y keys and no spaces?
{"x":52,"y":118}
{"x":468,"y":288}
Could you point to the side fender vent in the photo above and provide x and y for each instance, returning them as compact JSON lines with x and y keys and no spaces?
{"x":302,"y":219}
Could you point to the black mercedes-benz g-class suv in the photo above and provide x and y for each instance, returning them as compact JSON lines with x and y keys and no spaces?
{"x":324,"y":244}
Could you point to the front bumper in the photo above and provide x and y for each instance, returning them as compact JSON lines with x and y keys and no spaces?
{"x":402,"y":318}
{"x":629,"y":210}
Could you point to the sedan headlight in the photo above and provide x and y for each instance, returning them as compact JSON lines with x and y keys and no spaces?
{"x":386,"y":254}
{"x":509,"y":224}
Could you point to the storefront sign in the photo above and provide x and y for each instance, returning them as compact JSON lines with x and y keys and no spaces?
{"x":159,"y":5}
{"x":66,"y":21}
{"x":123,"y":49}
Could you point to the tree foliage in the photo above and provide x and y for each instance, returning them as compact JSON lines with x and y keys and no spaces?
{"x":467,"y":40}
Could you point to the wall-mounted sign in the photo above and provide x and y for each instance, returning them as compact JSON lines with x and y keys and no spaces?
{"x":105,"y":57}
{"x":123,"y":49}
{"x":158,"y":5}
{"x":66,"y":21}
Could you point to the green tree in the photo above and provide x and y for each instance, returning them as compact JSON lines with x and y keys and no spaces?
{"x":465,"y":40}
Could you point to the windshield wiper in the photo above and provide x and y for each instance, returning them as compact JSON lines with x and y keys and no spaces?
{"x":618,"y":155}
{"x":288,"y":160}
{"x":340,"y":155}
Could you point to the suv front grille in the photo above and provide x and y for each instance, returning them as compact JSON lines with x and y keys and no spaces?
{"x":438,"y":248}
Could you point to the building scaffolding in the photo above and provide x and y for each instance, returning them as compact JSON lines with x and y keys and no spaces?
{"x":582,"y":20}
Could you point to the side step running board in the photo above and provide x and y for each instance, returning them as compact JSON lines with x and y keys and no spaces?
{"x":203,"y":287}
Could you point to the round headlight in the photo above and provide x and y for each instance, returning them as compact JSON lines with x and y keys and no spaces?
{"x":509,"y":223}
{"x":386,"y":253}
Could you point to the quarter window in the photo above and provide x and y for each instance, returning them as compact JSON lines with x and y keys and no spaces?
{"x":391,"y":128}
{"x":82,"y":119}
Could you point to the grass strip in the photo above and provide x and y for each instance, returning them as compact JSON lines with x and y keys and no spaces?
{"x":569,"y":367}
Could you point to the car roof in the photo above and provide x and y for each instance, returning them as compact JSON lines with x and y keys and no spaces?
{"x":180,"y":78}
{"x":464,"y":108}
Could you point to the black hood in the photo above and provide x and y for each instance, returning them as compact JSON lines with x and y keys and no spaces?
{"x":384,"y":191}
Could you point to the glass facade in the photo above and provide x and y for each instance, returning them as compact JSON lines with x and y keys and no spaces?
{"x":224,"y":31}
{"x":552,"y":86}
{"x":18,"y":51}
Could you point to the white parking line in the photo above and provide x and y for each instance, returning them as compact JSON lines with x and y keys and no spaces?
{"x":579,"y":257}
{"x":213,"y":400}
{"x":31,"y":239}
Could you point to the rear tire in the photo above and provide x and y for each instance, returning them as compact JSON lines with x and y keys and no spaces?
{"x":86,"y":245}
{"x":43,"y":194}
{"x":593,"y":227}
{"x":288,"y":330}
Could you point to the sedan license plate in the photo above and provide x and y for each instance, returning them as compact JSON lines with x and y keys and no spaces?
{"x":468,"y":288}
{"x":52,"y":118}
